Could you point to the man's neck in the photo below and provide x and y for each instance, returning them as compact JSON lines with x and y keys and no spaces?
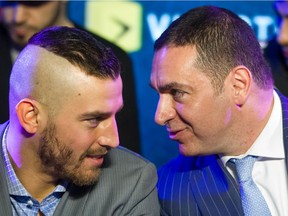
{"x":39,"y":185}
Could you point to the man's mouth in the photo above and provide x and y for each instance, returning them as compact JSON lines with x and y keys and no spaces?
{"x":19,"y":31}
{"x":175,"y":134}
{"x":95,"y":160}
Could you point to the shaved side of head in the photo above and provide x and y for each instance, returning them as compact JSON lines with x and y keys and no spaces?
{"x":42,"y":76}
{"x":45,"y":69}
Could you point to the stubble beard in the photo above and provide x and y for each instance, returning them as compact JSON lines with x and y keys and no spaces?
{"x":58,"y":160}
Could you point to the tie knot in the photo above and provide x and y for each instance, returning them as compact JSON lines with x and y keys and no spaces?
{"x":244,"y":167}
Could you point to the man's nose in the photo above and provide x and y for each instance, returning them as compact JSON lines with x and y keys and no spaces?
{"x":109,"y":135}
{"x":165,"y":110}
{"x":20,"y":13}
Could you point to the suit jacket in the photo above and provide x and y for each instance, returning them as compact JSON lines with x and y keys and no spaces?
{"x":201,"y":185}
{"x":127,"y":119}
{"x":127,"y":186}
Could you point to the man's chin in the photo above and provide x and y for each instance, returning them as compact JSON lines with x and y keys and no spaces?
{"x":86,"y":179}
{"x":20,"y":40}
{"x":19,"y":43}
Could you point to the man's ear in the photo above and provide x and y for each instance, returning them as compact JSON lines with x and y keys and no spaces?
{"x":240,"y":80}
{"x":27,"y":111}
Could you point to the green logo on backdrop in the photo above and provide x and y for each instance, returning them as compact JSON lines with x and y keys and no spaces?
{"x":118,"y":22}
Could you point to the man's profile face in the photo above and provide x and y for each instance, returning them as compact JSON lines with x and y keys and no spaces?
{"x":77,"y":124}
{"x":74,"y":144}
{"x":194,"y":116}
{"x":23,"y":19}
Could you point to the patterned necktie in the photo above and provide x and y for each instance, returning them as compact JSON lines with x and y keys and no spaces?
{"x":253,"y":202}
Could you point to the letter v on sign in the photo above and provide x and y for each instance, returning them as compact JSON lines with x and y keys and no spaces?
{"x":118,"y":22}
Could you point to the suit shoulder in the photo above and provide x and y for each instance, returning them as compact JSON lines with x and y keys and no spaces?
{"x":124,"y":157}
{"x":180,"y":163}
{"x":188,"y":163}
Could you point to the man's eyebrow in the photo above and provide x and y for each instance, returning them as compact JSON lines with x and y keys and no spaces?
{"x":169,"y":86}
{"x":90,"y":115}
{"x":98,"y":114}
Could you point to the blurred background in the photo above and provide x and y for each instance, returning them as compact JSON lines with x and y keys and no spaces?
{"x":134,"y":26}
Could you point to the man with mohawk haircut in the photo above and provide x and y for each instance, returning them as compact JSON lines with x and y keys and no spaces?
{"x":59,"y":150}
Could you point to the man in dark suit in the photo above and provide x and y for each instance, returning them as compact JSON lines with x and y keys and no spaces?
{"x":276,"y":51}
{"x":24,"y":18}
{"x":216,"y":99}
{"x":59,"y":153}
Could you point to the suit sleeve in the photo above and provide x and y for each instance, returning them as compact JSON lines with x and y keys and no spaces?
{"x":144,"y":198}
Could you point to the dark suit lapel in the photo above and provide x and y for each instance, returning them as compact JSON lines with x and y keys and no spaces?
{"x":214,"y":189}
{"x":284,"y":103}
{"x":5,"y":204}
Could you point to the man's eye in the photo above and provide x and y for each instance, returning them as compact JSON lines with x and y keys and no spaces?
{"x":176,"y":93}
{"x":93,"y":122}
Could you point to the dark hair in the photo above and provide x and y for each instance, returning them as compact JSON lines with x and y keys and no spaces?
{"x":222,"y":40}
{"x":80,"y":48}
